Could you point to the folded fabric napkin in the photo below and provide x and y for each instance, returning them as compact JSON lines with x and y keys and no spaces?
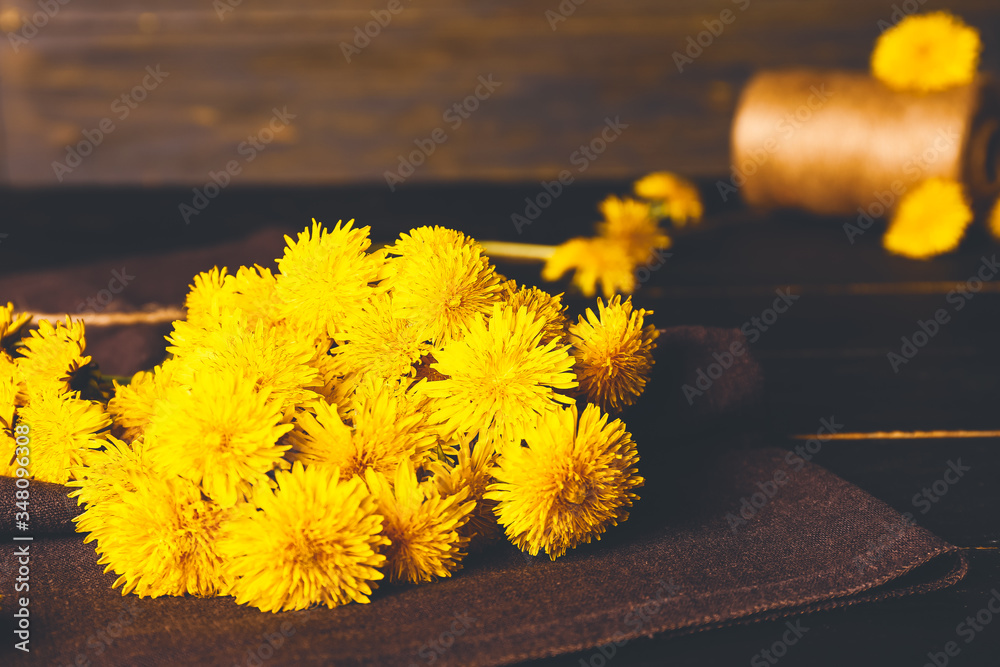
{"x":721,"y":535}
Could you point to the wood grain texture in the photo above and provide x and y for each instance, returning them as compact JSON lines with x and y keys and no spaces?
{"x":353,"y":120}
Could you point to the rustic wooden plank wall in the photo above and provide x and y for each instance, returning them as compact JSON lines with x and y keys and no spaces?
{"x":229,"y":69}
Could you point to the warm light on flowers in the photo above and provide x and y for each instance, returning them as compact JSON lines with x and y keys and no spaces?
{"x":929,"y":220}
{"x":440,"y":281}
{"x":156,"y":532}
{"x":324,"y":275}
{"x":423,"y":526}
{"x":927,"y":52}
{"x":221,"y":432}
{"x":357,"y":415}
{"x":316,"y":539}
{"x":613,"y":353}
{"x":500,"y":377}
{"x":594,"y":261}
{"x":567,"y":484}
{"x":53,"y":355}
{"x":65,"y":430}
{"x":674,"y":196}
{"x":377,"y":339}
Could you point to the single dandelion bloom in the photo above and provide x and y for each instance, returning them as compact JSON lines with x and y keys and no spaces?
{"x":470,"y":474}
{"x":53,"y":355}
{"x":595,"y":261}
{"x":631,"y":223}
{"x":929,"y":220}
{"x":12,"y":326}
{"x":316,"y":539}
{"x":927,"y":52}
{"x":389,"y":426}
{"x":500,"y":377}
{"x":65,"y":430}
{"x":266,"y":356}
{"x":547,"y":307}
{"x":675,"y":196}
{"x":133,"y":404}
{"x":221,"y":432}
{"x":422,"y":525}
{"x":440,"y":280}
{"x":120,"y":467}
{"x":207,"y":296}
{"x":255,"y":293}
{"x":325,"y":275}
{"x":377,"y":340}
{"x":156,"y":532}
{"x":613,"y":353}
{"x":568,"y":484}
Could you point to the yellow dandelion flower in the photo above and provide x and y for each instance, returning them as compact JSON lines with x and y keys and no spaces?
{"x":440,"y":280}
{"x":255,"y":293}
{"x":326,"y":274}
{"x":500,"y":376}
{"x":221,"y":432}
{"x":315,"y":540}
{"x":675,"y":196}
{"x":120,"y":467}
{"x":994,"y":221}
{"x":927,"y":52}
{"x":207,"y":295}
{"x":8,"y":398}
{"x":377,"y":340}
{"x":423,"y":526}
{"x":64,"y":431}
{"x":631,"y":224}
{"x":265,"y":355}
{"x":12,"y":326}
{"x":53,"y":355}
{"x":547,"y":307}
{"x":133,"y":404}
{"x":929,"y":220}
{"x":568,"y":484}
{"x":389,"y":426}
{"x":594,"y":260}
{"x":613,"y":353}
{"x":471,"y":473}
{"x":156,"y":532}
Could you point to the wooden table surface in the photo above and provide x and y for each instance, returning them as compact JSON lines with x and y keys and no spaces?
{"x":826,"y":357}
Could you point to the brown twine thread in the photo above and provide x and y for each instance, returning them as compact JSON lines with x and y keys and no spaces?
{"x":831,"y":142}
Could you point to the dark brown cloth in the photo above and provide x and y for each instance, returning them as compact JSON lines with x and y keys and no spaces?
{"x":681,"y":563}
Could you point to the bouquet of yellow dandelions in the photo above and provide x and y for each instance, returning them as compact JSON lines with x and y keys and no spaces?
{"x":358,"y":415}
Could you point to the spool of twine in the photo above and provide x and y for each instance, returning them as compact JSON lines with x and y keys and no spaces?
{"x":834,"y":142}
